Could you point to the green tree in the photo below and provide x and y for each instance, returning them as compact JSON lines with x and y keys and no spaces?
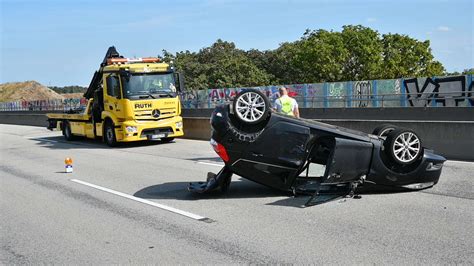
{"x":320,"y":56}
{"x":265,"y":60}
{"x":187,"y":62}
{"x":68,"y":89}
{"x":468,"y":71}
{"x":280,"y":64}
{"x":404,"y":56}
{"x":355,"y":53}
{"x":365,"y":53}
{"x":218,"y":66}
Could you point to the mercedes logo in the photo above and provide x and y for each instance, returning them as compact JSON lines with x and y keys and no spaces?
{"x":155,"y":113}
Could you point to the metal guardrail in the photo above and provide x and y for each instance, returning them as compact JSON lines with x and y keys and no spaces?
{"x":343,"y":101}
{"x":43,"y":105}
{"x":367,"y":100}
{"x":405,"y":100}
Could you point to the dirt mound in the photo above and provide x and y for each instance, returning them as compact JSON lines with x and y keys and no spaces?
{"x":28,"y":90}
{"x":75,"y":95}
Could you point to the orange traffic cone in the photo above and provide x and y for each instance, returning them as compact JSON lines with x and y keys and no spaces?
{"x":68,"y":162}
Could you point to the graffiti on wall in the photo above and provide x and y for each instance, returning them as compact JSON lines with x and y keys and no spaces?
{"x":417,"y":92}
{"x":220,"y":96}
{"x":44,"y":105}
{"x":389,"y":93}
{"x":315,"y":95}
{"x":445,"y":91}
{"x":337,"y":93}
{"x":362,"y":93}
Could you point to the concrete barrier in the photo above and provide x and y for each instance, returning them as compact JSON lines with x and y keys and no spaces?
{"x":394,"y":113}
{"x":452,"y":138}
{"x":36,"y":118}
{"x":197,"y":128}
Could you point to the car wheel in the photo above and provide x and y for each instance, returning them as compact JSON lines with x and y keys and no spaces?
{"x":67,"y":133}
{"x":383,"y":130}
{"x":251,"y":107}
{"x":109,"y":134}
{"x":403,"y":146}
{"x":166,"y":140}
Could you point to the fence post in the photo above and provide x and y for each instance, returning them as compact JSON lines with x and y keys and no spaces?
{"x":305,"y":95}
{"x":349,"y":93}
{"x":470,"y":102}
{"x":208,"y":99}
{"x":433,"y":97}
{"x":325,"y":95}
{"x":374,"y":94}
{"x":403,"y":95}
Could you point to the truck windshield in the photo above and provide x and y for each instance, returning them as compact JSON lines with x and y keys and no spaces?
{"x":138,"y":86}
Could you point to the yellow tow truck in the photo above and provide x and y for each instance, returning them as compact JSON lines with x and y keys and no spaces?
{"x":128,"y":100}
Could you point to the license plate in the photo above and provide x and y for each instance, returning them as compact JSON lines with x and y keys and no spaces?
{"x":157,"y":136}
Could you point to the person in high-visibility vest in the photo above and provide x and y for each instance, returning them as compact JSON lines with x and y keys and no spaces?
{"x":285,"y":104}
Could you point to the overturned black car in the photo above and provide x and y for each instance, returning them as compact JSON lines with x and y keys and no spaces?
{"x":280,"y":151}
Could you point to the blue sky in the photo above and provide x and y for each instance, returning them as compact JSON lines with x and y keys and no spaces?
{"x":61,"y":43}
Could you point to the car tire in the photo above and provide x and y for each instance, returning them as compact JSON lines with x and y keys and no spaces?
{"x":251,"y":107}
{"x":383,"y":130}
{"x":109,"y":134}
{"x":167,"y":140}
{"x":403,"y":146}
{"x":67,"y":133}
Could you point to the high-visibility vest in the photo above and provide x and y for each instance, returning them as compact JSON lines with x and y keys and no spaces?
{"x":286,"y":105}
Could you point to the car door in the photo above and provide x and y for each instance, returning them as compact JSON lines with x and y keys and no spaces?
{"x":276,"y":155}
{"x":113,"y":95}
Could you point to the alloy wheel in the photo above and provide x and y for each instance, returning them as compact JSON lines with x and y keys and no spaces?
{"x":250,"y":107}
{"x":406,"y":147}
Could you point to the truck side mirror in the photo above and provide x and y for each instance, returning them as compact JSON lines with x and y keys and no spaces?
{"x":179,"y":78}
{"x":124,"y":74}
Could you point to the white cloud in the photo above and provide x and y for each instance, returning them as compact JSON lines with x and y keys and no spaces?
{"x":371,"y":19}
{"x":444,"y":28}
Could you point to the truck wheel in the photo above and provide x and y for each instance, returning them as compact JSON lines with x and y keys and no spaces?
{"x":67,"y":131}
{"x":403,"y":146}
{"x":383,"y":130}
{"x":109,"y":134}
{"x":251,"y":107}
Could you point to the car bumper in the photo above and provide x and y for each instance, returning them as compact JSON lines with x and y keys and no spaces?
{"x":425,"y":174}
{"x":148,"y":130}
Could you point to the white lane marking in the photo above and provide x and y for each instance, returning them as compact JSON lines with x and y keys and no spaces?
{"x":213,"y":164}
{"x":154,"y":204}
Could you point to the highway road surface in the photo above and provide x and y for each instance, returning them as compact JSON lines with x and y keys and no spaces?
{"x":130,"y":205}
